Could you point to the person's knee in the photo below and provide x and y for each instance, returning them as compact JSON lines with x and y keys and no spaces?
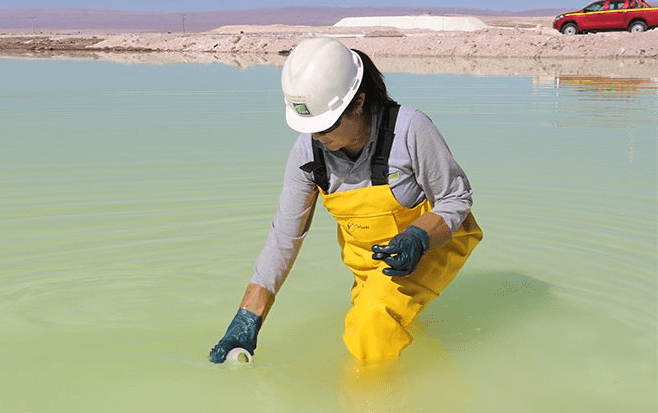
{"x":374,"y":332}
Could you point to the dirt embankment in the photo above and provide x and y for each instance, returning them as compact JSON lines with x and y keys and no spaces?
{"x":523,"y":39}
{"x":488,"y":42}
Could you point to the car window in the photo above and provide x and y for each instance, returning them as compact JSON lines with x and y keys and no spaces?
{"x":614,"y":5}
{"x":598,"y":6}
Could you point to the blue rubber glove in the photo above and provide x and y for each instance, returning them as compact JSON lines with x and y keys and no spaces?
{"x":242,"y":332}
{"x":403,"y":252}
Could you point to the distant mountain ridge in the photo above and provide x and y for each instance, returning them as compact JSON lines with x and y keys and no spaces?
{"x":39,"y":20}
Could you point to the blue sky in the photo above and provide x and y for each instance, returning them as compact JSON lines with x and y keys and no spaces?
{"x":200,"y":5}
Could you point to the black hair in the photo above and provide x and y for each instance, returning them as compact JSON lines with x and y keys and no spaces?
{"x":372,"y":85}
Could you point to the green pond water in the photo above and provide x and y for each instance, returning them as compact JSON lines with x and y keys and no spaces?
{"x":134,"y":200}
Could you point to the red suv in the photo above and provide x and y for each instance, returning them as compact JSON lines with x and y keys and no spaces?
{"x":631,"y":15}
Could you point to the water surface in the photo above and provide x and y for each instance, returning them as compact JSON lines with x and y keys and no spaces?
{"x":135,"y":199}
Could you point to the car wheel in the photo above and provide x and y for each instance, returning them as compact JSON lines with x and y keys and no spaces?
{"x":637,"y":27}
{"x":569,"y":29}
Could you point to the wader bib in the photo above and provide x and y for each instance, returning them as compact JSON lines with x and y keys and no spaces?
{"x":383,"y":306}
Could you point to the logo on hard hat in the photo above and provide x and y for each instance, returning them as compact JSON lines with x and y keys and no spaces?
{"x":301,"y":108}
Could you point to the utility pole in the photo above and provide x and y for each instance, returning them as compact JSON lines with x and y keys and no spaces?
{"x":183,"y":19}
{"x":32,"y":18}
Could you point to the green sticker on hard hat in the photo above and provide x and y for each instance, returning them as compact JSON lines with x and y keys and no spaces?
{"x":301,"y":108}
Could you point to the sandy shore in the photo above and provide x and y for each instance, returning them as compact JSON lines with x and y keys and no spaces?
{"x":507,"y":46}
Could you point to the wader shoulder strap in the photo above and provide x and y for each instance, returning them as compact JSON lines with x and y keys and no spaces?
{"x":318,"y":168}
{"x":379,"y":162}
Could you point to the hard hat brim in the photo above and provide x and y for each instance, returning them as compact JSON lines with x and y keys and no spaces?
{"x":308,"y":124}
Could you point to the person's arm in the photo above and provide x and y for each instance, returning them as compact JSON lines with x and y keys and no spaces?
{"x":287,"y":232}
{"x":443,"y":182}
{"x":436,"y":228}
{"x":257,"y":300}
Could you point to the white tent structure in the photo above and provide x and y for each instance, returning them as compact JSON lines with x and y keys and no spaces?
{"x":438,"y":23}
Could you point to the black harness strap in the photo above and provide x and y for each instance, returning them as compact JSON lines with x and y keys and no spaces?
{"x":379,"y":161}
{"x":318,"y":168}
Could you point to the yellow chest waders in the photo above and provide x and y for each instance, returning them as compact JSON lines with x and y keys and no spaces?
{"x":383,"y":306}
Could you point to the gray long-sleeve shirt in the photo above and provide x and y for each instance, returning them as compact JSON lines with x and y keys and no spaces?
{"x":420,"y":167}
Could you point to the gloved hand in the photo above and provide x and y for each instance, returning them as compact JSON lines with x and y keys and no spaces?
{"x":403,"y":252}
{"x":242,"y":332}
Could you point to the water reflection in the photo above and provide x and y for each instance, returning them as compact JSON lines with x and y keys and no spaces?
{"x":602,"y":88}
{"x":613,"y":99}
{"x":637,"y":68}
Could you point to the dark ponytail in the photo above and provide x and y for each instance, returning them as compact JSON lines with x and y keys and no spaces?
{"x":372,"y":85}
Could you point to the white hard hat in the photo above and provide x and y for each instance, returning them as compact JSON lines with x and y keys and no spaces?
{"x":319,"y":80}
